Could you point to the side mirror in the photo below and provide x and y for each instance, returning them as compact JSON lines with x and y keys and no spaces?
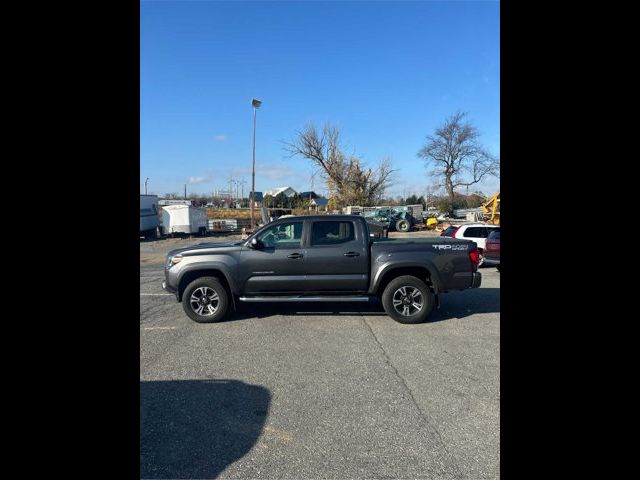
{"x":255,"y":244}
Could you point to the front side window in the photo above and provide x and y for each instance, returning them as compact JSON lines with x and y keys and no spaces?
{"x":284,"y":235}
{"x":332,"y":233}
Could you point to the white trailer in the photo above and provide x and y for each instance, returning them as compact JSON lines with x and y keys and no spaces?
{"x":185,"y":219}
{"x":149,"y":216}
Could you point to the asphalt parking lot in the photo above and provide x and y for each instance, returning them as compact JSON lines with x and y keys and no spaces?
{"x":318,"y":391}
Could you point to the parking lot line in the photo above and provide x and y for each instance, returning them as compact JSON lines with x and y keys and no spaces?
{"x":160,"y":328}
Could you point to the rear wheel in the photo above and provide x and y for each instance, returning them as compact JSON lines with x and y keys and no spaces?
{"x":205,"y":300}
{"x":407,"y":299}
{"x":403,"y":225}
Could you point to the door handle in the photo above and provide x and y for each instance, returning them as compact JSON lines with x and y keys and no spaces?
{"x":295,"y":255}
{"x":352,"y":254}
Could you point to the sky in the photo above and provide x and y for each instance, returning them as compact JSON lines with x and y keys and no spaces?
{"x":386,"y":73}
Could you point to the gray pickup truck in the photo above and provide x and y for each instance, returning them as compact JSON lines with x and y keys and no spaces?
{"x":320,"y":258}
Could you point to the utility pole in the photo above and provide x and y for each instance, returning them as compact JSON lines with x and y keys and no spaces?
{"x":185,"y":191}
{"x":234,"y":190}
{"x":242,"y":182}
{"x":145,"y":185}
{"x":230,"y":189}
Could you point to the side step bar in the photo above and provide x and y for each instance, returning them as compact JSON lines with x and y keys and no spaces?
{"x":302,"y":298}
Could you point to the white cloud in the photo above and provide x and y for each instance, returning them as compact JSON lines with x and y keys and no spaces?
{"x":220,"y":137}
{"x":271,"y":171}
{"x":197,"y":180}
{"x":276,"y":172}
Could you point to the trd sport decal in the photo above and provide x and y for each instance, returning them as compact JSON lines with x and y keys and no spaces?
{"x":451,"y":247}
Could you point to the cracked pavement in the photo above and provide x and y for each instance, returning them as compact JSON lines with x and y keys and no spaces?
{"x":320,"y":391}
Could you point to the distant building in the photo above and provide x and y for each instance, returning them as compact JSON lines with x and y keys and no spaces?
{"x":309,"y":195}
{"x":257,"y":199}
{"x":319,"y":204}
{"x":164,"y":202}
{"x":287,"y":191}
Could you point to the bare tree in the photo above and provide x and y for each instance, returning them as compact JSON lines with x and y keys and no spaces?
{"x":349,"y":181}
{"x":456,"y":157}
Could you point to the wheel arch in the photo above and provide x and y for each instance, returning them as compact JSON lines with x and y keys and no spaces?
{"x":190,"y":275}
{"x":423,"y":272}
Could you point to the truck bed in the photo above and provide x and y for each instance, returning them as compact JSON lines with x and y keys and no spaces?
{"x":417,"y":240}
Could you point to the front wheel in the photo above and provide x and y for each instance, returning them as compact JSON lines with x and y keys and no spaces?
{"x":407,"y":299}
{"x":205,"y":300}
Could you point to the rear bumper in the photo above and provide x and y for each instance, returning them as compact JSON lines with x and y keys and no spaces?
{"x":476,"y":280}
{"x":492,"y":256}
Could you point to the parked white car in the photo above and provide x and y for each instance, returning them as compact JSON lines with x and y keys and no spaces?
{"x":476,"y":232}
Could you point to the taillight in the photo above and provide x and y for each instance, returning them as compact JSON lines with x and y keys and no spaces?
{"x":453,"y":234}
{"x":474,"y":256}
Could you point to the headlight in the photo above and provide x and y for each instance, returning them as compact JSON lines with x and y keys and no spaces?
{"x":171,"y":261}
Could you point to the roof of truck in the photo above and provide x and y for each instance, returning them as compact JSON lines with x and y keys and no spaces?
{"x":321,"y":217}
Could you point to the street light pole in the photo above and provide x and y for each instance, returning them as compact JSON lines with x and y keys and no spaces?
{"x":145,"y":185}
{"x":256,"y":104}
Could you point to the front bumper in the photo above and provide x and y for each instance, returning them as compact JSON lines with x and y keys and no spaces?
{"x":168,"y":288}
{"x":476,"y":280}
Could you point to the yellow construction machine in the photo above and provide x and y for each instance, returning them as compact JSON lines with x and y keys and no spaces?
{"x":491,"y":209}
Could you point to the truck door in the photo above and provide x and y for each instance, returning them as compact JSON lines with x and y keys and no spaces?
{"x":278,"y":267}
{"x":337,"y":258}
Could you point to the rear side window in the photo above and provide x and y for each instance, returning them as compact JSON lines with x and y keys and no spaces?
{"x":332,"y":233}
{"x":475,"y":232}
{"x":494,"y":234}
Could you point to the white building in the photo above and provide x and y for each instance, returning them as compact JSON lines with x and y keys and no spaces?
{"x":287,"y":191}
{"x":319,"y":204}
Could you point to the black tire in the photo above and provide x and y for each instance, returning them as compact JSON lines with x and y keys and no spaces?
{"x":220,"y":304}
{"x":407,"y":282}
{"x":498,"y":267}
{"x":403,"y":225}
{"x":481,"y":260}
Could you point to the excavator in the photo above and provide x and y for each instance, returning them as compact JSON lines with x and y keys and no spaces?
{"x":491,"y":209}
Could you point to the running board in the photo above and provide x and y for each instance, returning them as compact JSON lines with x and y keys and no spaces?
{"x":301,"y":298}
